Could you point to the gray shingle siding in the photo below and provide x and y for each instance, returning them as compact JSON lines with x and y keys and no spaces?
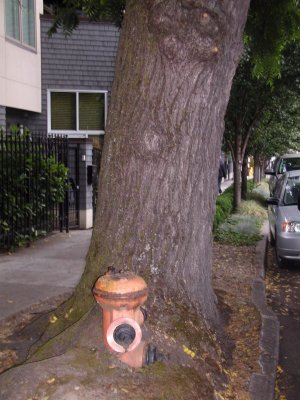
{"x":83,"y":61}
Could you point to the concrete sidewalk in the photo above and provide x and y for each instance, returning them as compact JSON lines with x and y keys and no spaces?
{"x":226,"y":183}
{"x":49,"y":268}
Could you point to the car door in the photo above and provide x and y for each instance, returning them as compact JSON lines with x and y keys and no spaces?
{"x":273,"y":209}
{"x":274,"y":176}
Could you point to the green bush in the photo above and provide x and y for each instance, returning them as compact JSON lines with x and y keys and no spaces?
{"x":259,"y":193}
{"x":242,"y":228}
{"x":254,"y":207}
{"x":33,"y":184}
{"x":239,"y":230}
{"x":224,"y":207}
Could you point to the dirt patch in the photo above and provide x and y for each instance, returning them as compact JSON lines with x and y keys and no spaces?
{"x":11,"y":344}
{"x":199,"y":364}
{"x":234,"y":271}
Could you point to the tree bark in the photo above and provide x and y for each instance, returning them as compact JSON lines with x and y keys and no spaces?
{"x":158,"y":180}
{"x":237,"y":170}
{"x":244,"y":177}
{"x":257,"y":169}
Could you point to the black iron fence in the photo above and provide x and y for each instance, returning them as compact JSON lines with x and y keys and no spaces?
{"x":34,"y":186}
{"x":96,"y":166}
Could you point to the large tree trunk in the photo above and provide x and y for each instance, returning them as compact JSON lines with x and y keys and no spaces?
{"x":257,"y":176}
{"x":159,"y":172}
{"x":159,"y":169}
{"x":244,"y":177}
{"x":237,"y":170}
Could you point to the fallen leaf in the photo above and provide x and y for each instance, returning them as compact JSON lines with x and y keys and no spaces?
{"x":53,"y":319}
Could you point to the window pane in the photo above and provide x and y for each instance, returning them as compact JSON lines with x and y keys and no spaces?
{"x":63,"y":111}
{"x":28,"y":21}
{"x":91,"y":111}
{"x":292,"y":191}
{"x":12,"y":22}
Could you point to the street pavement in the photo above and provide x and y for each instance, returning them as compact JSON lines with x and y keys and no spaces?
{"x":284,"y":298}
{"x":49,"y":268}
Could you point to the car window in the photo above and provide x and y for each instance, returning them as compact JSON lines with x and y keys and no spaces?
{"x":292,"y":191}
{"x":289,"y":164}
{"x":281,"y":167}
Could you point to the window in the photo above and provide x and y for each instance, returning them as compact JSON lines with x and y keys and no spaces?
{"x":20,"y":21}
{"x":76,"y":111}
{"x":292,"y":190}
{"x":289,"y":164}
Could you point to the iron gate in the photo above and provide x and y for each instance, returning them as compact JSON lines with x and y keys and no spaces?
{"x":73,"y":195}
{"x":33,"y":196}
{"x":96,"y":163}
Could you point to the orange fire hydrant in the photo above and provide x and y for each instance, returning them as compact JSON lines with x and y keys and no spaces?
{"x":121,"y":296}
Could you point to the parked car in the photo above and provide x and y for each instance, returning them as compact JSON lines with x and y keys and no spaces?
{"x":282,"y":164}
{"x":284,"y":218}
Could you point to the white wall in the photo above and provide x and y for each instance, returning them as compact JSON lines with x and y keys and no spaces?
{"x":20,"y":68}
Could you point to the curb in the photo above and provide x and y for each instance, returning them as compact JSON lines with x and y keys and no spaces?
{"x":262,"y":385}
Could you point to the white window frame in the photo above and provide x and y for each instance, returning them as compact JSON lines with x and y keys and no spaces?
{"x":21,"y":40}
{"x":75,"y":133}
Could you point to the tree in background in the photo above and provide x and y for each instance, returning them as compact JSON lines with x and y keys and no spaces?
{"x":277,"y":133}
{"x":244,"y":112}
{"x":263,"y":77}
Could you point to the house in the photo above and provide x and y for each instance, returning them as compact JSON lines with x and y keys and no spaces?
{"x":20,"y":58}
{"x":65,"y":89}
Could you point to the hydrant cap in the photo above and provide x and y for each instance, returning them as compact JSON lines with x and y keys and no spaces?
{"x":119,"y":285}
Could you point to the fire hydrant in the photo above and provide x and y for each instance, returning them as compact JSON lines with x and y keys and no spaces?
{"x":121,"y":296}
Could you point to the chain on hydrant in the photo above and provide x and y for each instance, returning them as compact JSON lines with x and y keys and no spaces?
{"x":121,"y":296}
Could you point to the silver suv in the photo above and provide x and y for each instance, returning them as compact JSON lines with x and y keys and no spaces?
{"x":282,"y":164}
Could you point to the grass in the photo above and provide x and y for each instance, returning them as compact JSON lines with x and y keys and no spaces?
{"x":243,"y":227}
{"x":239,"y":230}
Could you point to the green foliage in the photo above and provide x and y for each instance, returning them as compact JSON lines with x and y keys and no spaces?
{"x":263,"y":120}
{"x":270,"y":27}
{"x":242,"y":228}
{"x":277,"y":131}
{"x":225,"y":204}
{"x":67,"y":13}
{"x":253,"y":208}
{"x":33,"y":184}
{"x":224,"y":207}
{"x":260,"y":193}
{"x":239,"y":230}
{"x":250,"y":185}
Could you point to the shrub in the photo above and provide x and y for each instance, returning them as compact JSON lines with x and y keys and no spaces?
{"x":224,"y":207}
{"x":33,"y":183}
{"x":259,"y":193}
{"x":240,"y":230}
{"x":254,"y":208}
